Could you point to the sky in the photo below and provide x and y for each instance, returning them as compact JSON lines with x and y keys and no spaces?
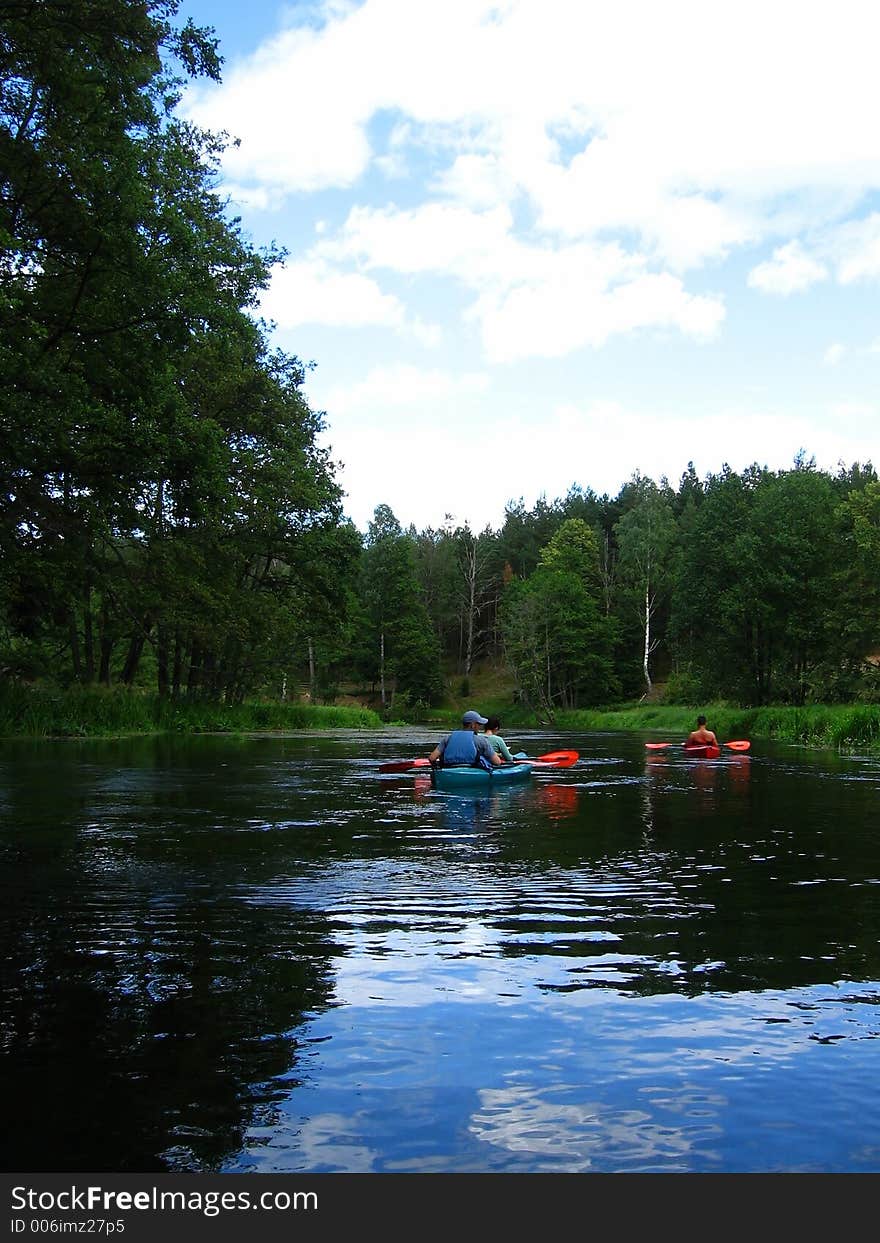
{"x":538,"y":244}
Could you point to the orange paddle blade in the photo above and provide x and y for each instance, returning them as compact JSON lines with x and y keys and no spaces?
{"x":559,"y":759}
{"x":403,"y":766}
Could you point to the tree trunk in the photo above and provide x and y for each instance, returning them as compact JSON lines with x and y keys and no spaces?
{"x":177,"y":667}
{"x":194,"y":673}
{"x":73,"y":639}
{"x":470,"y":569}
{"x":208,"y":675}
{"x":606,"y":571}
{"x":472,"y":591}
{"x":164,"y":681}
{"x":547,"y":651}
{"x":106,"y":656}
{"x":133,"y":656}
{"x":382,"y":665}
{"x":106,"y":645}
{"x":88,"y":637}
{"x":648,"y":610}
{"x":311,"y":671}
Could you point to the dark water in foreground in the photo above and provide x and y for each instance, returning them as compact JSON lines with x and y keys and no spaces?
{"x":260,"y":955}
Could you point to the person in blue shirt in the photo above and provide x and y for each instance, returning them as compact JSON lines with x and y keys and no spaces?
{"x":465,"y":746}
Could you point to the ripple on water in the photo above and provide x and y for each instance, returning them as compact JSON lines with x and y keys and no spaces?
{"x":279,"y":961}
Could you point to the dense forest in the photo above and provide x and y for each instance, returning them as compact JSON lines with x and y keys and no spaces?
{"x":169,"y":521}
{"x":755,"y":587}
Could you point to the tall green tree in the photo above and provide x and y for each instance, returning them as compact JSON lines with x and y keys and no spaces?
{"x":756,"y":613}
{"x":574,"y":549}
{"x":525,"y":532}
{"x":850,"y":666}
{"x":404,"y":643}
{"x":438,"y":574}
{"x":158,"y":461}
{"x":716,"y":621}
{"x":556,"y":634}
{"x":796,"y":547}
{"x":476,"y":560}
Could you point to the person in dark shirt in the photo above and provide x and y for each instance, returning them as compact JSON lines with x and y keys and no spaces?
{"x":465,"y":746}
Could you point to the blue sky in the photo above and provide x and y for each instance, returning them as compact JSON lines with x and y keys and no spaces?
{"x":543,"y":243}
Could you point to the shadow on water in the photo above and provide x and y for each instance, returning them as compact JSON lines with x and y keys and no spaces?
{"x":148,"y":1016}
{"x":150,"y":1041}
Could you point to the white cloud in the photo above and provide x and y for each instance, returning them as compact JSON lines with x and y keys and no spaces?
{"x":403,"y":385}
{"x":566,"y":163}
{"x":441,"y":450}
{"x":419,"y":440}
{"x":555,"y":175}
{"x":851,"y":251}
{"x":791,"y":270}
{"x":476,"y":181}
{"x":433,"y":238}
{"x":664,"y":119}
{"x":856,"y":250}
{"x":311,"y":292}
{"x":858,"y":416}
{"x":532,"y":299}
{"x":599,"y":435}
{"x":556,"y":316}
{"x":258,"y":198}
{"x":295,"y":107}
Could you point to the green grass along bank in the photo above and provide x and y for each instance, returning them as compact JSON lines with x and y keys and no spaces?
{"x":43,"y":712}
{"x":844,"y":727}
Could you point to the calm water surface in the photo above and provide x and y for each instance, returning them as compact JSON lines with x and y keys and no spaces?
{"x":262,"y":955}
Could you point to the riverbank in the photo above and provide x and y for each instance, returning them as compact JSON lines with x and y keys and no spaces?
{"x":43,"y":712}
{"x":35,"y":712}
{"x":845,"y":727}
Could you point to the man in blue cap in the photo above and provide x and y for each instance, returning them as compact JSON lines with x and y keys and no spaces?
{"x":466,"y":746}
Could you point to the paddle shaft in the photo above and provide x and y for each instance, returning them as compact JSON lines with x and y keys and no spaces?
{"x":739,"y":745}
{"x":553,"y":759}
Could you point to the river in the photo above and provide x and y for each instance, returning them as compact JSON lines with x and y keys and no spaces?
{"x":262,"y":955}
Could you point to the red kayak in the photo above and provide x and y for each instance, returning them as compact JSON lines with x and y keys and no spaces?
{"x":699,"y":751}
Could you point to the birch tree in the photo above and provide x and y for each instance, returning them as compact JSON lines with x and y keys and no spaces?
{"x":646,"y":537}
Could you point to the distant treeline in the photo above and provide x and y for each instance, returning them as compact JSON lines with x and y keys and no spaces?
{"x":754,"y":588}
{"x":169,"y":522}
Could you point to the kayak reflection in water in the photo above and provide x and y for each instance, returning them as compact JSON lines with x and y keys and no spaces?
{"x":496,"y":742}
{"x":701,"y":736}
{"x":558,"y":801}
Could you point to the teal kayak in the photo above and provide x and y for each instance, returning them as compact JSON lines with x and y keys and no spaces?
{"x":467,"y":778}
